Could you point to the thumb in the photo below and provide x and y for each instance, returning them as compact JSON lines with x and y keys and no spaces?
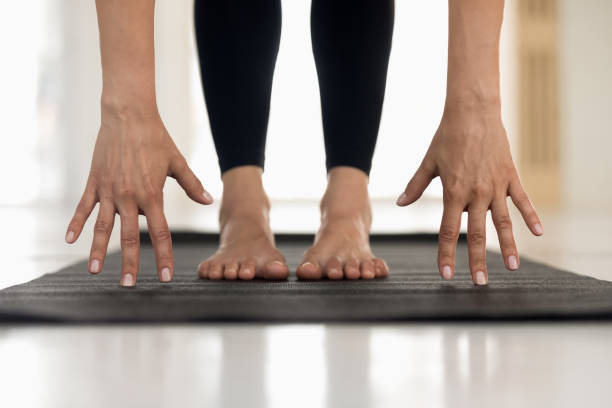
{"x":416,"y":185}
{"x":179,"y":170}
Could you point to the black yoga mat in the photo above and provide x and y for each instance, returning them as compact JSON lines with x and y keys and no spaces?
{"x":413,"y":291}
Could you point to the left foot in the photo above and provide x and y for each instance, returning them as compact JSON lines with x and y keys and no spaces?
{"x":341,"y":247}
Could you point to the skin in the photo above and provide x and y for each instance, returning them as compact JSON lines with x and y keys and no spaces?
{"x":340,"y":250}
{"x":470,"y":151}
{"x":134,"y":153}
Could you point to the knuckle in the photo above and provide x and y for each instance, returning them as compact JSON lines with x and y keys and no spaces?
{"x":151,"y":194}
{"x":482,"y":190}
{"x":162,"y":235}
{"x":130,"y":240}
{"x":125,"y":192}
{"x":476,"y":238}
{"x":508,"y":248}
{"x":529,"y":209}
{"x":102,"y":226}
{"x":503,"y":222}
{"x":454,"y":193}
{"x":447,"y":235}
{"x":75,"y":223}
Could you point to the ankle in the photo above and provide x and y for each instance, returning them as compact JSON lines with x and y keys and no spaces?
{"x":346,"y":195}
{"x":243,"y":193}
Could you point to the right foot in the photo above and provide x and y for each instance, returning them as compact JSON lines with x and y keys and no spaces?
{"x":246,"y":243}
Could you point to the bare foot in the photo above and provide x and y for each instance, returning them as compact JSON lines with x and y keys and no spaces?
{"x":246,"y":244}
{"x":341,"y":247}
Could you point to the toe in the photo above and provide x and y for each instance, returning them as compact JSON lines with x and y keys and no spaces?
{"x":351,"y":269}
{"x":367,"y":269}
{"x":216,"y":271}
{"x":333,"y":268}
{"x":247,"y":269}
{"x":309,"y":269}
{"x":381,"y":268}
{"x":276,"y":270}
{"x":230,"y":271}
{"x":203,"y":269}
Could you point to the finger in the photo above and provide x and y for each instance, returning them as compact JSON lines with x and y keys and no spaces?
{"x":448,"y":236}
{"x":161,"y":240}
{"x":476,"y":237}
{"x":102,"y":233}
{"x":503,"y":225}
{"x":83,"y":210}
{"x":130,"y":245}
{"x":179,"y":169}
{"x":416,"y":185}
{"x":521,"y":201}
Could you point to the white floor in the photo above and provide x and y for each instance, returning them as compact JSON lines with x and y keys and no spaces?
{"x":429,"y":365}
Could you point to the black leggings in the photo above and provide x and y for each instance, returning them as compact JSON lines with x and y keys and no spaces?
{"x":238,"y":42}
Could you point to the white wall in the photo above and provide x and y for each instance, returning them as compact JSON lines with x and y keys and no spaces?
{"x":585,"y":35}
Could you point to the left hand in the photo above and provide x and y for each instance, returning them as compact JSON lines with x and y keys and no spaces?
{"x":471,"y":154}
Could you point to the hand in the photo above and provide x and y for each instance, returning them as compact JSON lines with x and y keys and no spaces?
{"x":132,"y":158}
{"x":471,"y":154}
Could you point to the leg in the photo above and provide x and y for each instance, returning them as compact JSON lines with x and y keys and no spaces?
{"x":237,"y":45}
{"x":351,"y":43}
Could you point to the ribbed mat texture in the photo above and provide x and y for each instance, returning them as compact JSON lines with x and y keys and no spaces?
{"x":413,"y":290}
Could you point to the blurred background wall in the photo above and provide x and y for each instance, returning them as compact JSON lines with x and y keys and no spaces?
{"x":585,"y":36}
{"x":51,"y":83}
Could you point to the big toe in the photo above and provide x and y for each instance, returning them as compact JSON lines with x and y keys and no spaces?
{"x":276,"y":270}
{"x":309,"y":270}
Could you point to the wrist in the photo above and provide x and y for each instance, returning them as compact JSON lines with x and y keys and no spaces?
{"x":473,"y":91}
{"x":471,"y":100}
{"x":115,"y":105}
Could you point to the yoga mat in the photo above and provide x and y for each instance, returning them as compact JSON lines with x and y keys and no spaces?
{"x":413,"y":290}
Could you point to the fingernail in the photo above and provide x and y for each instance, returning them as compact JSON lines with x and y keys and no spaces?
{"x":401,"y":199}
{"x":481,"y":278}
{"x":165,"y":275}
{"x":127,"y":280}
{"x":447,"y":273}
{"x":69,"y":236}
{"x":95,"y":266}
{"x":207,"y":196}
{"x":538,"y":229}
{"x":512,"y":262}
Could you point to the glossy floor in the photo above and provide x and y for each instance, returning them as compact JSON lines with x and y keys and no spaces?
{"x":421,"y":365}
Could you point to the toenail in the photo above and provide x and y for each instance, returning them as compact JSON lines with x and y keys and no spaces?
{"x":305,"y":264}
{"x":278,"y":263}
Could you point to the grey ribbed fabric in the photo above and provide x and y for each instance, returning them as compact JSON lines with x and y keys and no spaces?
{"x":413,"y":291}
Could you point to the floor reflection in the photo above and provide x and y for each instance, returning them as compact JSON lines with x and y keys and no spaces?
{"x":307,"y":365}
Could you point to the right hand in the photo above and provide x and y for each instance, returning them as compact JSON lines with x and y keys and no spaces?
{"x":132,"y":158}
